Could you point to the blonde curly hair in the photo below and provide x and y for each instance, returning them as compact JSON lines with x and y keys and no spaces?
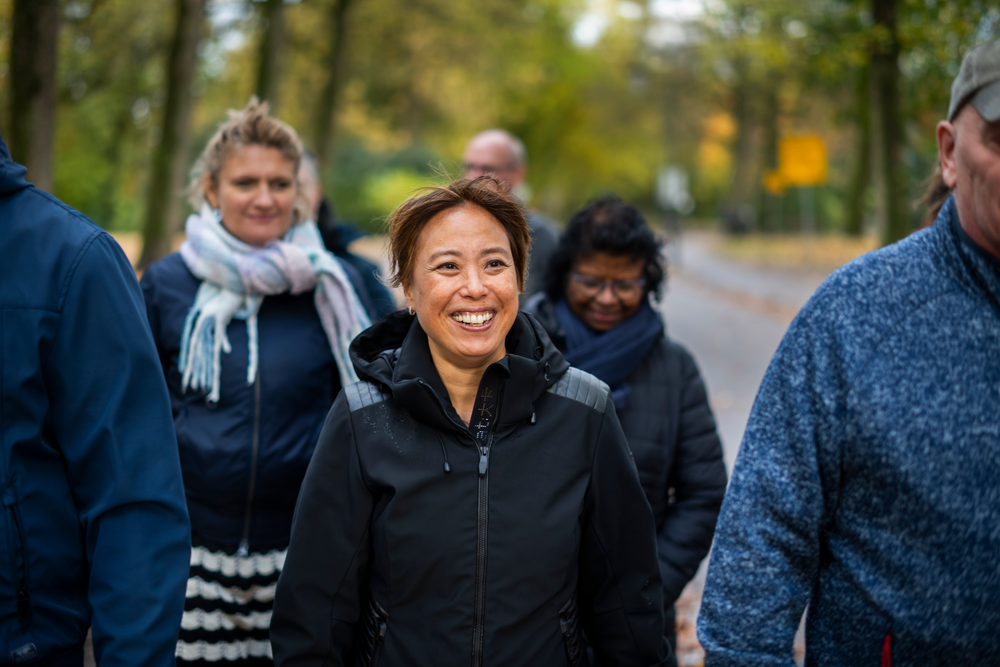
{"x":250,"y":126}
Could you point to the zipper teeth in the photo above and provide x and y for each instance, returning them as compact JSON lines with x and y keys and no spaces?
{"x":245,"y":543}
{"x":479,"y":618}
{"x":480,"y":609}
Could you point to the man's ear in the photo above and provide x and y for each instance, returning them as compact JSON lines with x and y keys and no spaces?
{"x":210,"y":194}
{"x":946,"y":136}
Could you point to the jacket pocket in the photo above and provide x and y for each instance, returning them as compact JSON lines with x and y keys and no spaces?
{"x":18,"y":554}
{"x":569,"y":624}
{"x":374,"y":623}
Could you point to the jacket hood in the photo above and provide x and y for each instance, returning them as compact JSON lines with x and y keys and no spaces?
{"x":11,"y":173}
{"x":394,"y":353}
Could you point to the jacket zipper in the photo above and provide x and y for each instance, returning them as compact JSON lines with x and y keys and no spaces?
{"x":19,"y":559}
{"x":482,"y":521}
{"x":244,"y":549}
{"x":378,"y":641}
{"x":482,"y":528}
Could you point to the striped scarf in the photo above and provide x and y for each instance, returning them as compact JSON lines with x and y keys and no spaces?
{"x":235,"y":279}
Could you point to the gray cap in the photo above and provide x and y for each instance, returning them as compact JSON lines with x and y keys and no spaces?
{"x":978,"y":82}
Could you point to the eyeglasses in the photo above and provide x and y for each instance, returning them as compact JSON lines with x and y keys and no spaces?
{"x":623,"y":290}
{"x":469,"y":168}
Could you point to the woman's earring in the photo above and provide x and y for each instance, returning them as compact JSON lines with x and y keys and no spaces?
{"x":410,"y":308}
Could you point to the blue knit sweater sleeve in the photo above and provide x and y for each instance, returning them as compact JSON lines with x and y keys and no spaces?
{"x":785,"y":485}
{"x":783,"y":489}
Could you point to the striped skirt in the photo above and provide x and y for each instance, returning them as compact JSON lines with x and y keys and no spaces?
{"x":227,"y":613}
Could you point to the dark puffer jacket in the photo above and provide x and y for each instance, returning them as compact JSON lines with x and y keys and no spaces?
{"x":671,"y":431}
{"x":414,"y":545}
{"x":258,"y":437}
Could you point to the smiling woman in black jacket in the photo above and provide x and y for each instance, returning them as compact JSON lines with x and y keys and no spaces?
{"x":472,"y":500}
{"x":596,"y":310}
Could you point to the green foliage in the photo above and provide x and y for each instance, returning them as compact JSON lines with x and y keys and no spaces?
{"x":420,"y":77}
{"x":812,"y":56}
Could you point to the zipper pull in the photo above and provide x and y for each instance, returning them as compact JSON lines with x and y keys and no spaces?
{"x":483,"y":462}
{"x":244,"y":549}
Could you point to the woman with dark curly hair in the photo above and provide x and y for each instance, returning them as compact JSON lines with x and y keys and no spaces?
{"x":596,"y":308}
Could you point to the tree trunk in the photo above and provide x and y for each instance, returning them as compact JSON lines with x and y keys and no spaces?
{"x":33,"y":70}
{"x":272,"y":41}
{"x":326,"y":125}
{"x":771,"y":202}
{"x":887,"y":127}
{"x":861,"y":175}
{"x":740,"y":214}
{"x":163,"y":203}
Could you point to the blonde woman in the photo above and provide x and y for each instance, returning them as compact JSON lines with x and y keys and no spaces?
{"x":252,"y":319}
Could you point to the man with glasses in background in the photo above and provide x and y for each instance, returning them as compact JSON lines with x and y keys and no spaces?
{"x":500,"y":154}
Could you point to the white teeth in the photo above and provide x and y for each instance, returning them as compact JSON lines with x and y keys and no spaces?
{"x":476,"y":319}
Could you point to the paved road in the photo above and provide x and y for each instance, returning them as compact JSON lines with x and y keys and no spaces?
{"x":732,"y":318}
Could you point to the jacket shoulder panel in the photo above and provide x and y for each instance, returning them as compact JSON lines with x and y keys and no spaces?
{"x":583,"y":387}
{"x":362,"y":394}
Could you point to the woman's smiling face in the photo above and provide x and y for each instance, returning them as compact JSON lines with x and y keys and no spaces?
{"x":463,"y":287}
{"x":603,"y":308}
{"x":255,"y":194}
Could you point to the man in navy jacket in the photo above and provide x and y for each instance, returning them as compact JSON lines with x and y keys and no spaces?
{"x":93,"y":526}
{"x":868,"y":482}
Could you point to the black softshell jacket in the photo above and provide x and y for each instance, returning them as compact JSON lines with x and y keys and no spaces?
{"x":414,"y":543}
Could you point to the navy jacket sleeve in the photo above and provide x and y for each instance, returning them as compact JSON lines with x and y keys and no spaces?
{"x":784,"y":490}
{"x":621,"y":596}
{"x":698,"y":478}
{"x":319,"y":594}
{"x":111,"y":417}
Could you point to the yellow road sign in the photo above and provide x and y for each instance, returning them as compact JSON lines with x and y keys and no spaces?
{"x":802,"y":160}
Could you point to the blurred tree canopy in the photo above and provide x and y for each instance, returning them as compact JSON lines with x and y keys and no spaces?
{"x":605,"y":94}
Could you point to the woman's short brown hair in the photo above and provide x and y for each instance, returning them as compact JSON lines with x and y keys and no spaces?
{"x":250,"y":126}
{"x":494,"y":197}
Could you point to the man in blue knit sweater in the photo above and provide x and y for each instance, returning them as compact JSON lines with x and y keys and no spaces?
{"x":867,"y":486}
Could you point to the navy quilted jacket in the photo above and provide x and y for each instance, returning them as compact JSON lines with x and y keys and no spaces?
{"x":258,"y":437}
{"x":868,"y":482}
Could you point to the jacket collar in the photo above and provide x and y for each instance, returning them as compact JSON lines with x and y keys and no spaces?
{"x":394,"y":353}
{"x":964,"y":260}
{"x":11,"y":173}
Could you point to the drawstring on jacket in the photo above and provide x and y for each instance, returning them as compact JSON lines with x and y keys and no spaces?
{"x":447,"y":468}
{"x":545,"y":375}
